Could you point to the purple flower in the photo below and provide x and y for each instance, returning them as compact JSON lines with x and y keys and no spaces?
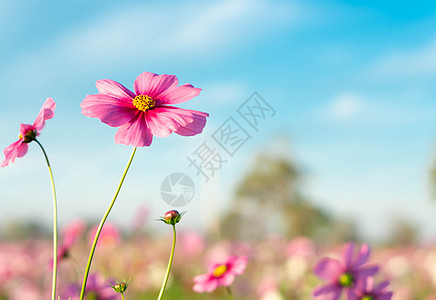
{"x":343,"y":275}
{"x":365,"y":290}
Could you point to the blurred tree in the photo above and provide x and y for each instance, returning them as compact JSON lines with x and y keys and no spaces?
{"x":403,"y":232}
{"x":268,"y":201}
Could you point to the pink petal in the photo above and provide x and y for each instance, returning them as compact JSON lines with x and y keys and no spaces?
{"x":153,"y":85}
{"x":14,"y":150}
{"x":179,"y":94}
{"x":363,"y":256}
{"x":328,"y":268}
{"x":109,"y":110}
{"x":25,"y":128}
{"x":204,"y":283}
{"x":166,"y":119}
{"x":114,"y":89}
{"x":367,"y":271}
{"x":329,"y":291}
{"x":46,"y":112}
{"x":381,"y":286}
{"x":348,"y":254}
{"x":227,"y":279}
{"x":238,"y":265}
{"x":135,"y":133}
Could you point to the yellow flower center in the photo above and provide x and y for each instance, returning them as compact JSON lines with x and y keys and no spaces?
{"x":30,"y":136}
{"x":367,"y":297}
{"x":144,"y":103}
{"x":220,"y":271}
{"x":346,"y":280}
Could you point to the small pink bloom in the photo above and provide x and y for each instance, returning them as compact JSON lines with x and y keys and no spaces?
{"x":69,"y":236}
{"x":28,"y":133}
{"x":147,"y":111}
{"x":343,"y":275}
{"x":220,"y":274}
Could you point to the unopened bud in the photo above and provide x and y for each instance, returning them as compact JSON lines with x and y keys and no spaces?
{"x":172,"y":217}
{"x":119,"y":287}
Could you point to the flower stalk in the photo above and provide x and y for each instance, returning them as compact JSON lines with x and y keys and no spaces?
{"x":170,"y":262}
{"x":55,"y":224}
{"x":100,"y":227}
{"x":229,"y":293}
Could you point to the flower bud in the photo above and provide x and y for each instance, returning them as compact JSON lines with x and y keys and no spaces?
{"x":172,"y":217}
{"x":119,"y":287}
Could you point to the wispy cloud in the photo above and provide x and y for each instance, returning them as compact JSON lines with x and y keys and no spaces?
{"x":344,"y":107}
{"x":406,"y":64}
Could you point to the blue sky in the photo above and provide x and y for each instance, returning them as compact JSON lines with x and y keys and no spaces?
{"x":352,"y":84}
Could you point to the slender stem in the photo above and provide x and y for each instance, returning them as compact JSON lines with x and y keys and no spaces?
{"x":55,"y":225}
{"x":229,"y":292}
{"x":100,"y":227}
{"x":170,"y":262}
{"x":122,"y":296}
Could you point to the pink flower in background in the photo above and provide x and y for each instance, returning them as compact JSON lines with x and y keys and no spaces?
{"x":365,"y":290}
{"x":343,"y":275}
{"x":147,"y":111}
{"x":69,"y":236}
{"x":96,"y":288}
{"x":109,"y":236}
{"x":220,"y":274}
{"x":28,"y":133}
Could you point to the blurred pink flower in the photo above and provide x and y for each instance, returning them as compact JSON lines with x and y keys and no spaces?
{"x":220,"y":274}
{"x":146,"y":112}
{"x":69,"y":236}
{"x":96,"y":288}
{"x":28,"y":133}
{"x":365,"y":290}
{"x":343,"y":275}
{"x":109,"y":236}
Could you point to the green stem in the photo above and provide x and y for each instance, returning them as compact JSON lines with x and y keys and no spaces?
{"x":170,"y":262}
{"x":122,"y":296}
{"x":229,"y":292}
{"x":100,"y":227}
{"x":55,"y":225}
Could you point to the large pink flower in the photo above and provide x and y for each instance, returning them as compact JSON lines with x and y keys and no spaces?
{"x":28,"y":133}
{"x":343,"y":275}
{"x":147,"y":111}
{"x":220,"y":274}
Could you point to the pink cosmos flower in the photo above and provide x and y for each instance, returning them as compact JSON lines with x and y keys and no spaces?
{"x":69,"y":236}
{"x":365,"y":290}
{"x":109,"y":235}
{"x":28,"y":133}
{"x":343,"y":275}
{"x":97,"y":288}
{"x":147,"y":111}
{"x":220,"y":274}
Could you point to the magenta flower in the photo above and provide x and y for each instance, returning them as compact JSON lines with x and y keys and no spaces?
{"x":220,"y":274}
{"x":343,"y":275}
{"x":28,"y":133}
{"x":147,"y":111}
{"x":97,"y":288}
{"x":365,"y":290}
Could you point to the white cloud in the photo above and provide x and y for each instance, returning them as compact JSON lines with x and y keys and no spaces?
{"x":417,"y":62}
{"x":345,"y":106}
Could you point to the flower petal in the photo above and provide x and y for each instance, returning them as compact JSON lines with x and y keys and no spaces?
{"x":179,"y":94}
{"x":369,"y":270}
{"x":227,"y":279}
{"x":46,"y":112}
{"x":238,"y":265}
{"x":381,"y":286}
{"x":348,"y":254}
{"x":328,"y":291}
{"x":153,"y":85}
{"x":363,"y":256}
{"x":108,"y":109}
{"x":14,"y":150}
{"x":166,"y":119}
{"x":114,"y":89}
{"x":135,"y":133}
{"x":205,"y":283}
{"x":328,"y":268}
